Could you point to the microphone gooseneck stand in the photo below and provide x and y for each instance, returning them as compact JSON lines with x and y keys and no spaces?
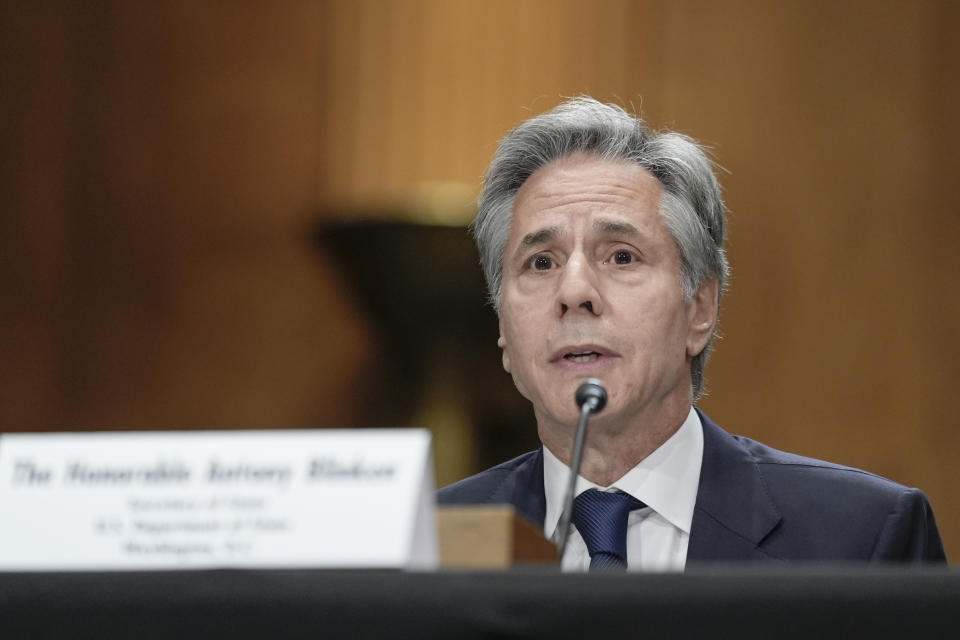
{"x":591,"y":397}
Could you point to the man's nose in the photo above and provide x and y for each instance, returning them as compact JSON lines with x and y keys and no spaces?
{"x":579,"y":288}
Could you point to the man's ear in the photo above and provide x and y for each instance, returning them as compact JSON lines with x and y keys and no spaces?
{"x":702,"y":315}
{"x":502,"y":343}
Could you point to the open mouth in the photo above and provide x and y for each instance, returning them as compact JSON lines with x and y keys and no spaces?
{"x":585,"y":356}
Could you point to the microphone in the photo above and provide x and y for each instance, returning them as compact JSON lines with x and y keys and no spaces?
{"x":591,"y":397}
{"x":592,"y":392}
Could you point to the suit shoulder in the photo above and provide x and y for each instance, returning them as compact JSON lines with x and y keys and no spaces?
{"x":851,"y":513}
{"x":837,"y":497}
{"x":480,"y":487}
{"x":790,"y":466}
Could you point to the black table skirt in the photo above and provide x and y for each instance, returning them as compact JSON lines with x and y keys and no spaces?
{"x":711,"y":603}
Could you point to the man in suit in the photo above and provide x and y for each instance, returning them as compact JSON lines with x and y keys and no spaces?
{"x":602,"y":246}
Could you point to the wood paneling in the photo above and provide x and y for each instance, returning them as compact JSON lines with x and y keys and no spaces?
{"x":160,"y":174}
{"x":421,"y":92}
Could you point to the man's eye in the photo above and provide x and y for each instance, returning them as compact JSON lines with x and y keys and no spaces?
{"x":622,"y":257}
{"x":541,"y":263}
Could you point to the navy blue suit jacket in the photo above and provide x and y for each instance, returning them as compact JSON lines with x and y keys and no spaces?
{"x":755,"y":503}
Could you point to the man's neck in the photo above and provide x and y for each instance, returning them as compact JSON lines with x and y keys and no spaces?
{"x":611,"y":449}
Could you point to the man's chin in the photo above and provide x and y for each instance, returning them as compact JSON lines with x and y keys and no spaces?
{"x":563,"y":418}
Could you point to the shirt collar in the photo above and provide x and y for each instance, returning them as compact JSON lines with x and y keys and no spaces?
{"x":666,"y":480}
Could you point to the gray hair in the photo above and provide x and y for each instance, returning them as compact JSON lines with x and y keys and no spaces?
{"x":691,"y":204}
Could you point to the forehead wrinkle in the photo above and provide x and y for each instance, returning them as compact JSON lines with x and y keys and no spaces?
{"x":547,"y":201}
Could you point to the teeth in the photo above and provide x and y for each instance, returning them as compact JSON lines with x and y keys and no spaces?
{"x":583,"y":357}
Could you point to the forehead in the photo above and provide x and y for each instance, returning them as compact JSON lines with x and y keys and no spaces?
{"x":580,"y":185}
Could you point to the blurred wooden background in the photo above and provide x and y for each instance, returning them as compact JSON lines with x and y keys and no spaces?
{"x":164,"y":168}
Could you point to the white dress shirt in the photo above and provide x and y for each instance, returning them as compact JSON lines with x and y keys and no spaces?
{"x":666,"y":481}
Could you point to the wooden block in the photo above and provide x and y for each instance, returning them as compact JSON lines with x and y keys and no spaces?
{"x":489,"y":537}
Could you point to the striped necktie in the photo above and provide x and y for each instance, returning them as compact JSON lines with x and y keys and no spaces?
{"x":601,"y":519}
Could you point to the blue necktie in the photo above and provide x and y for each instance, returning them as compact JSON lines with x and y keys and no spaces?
{"x":601,"y":519}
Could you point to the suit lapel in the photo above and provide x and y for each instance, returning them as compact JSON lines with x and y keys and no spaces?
{"x":523,"y":488}
{"x":734,"y":512}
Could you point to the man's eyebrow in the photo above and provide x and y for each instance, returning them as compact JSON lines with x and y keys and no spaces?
{"x":615,"y":228}
{"x":540,"y":236}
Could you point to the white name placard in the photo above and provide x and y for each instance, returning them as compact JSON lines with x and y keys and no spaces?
{"x":158,"y":500}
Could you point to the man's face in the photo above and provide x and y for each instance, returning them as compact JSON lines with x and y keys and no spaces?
{"x":592,"y":289}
